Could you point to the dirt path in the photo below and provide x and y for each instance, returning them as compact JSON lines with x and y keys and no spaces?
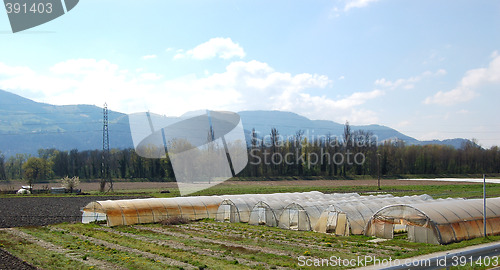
{"x":66,"y":252}
{"x":182,"y":246}
{"x":219,"y":242}
{"x":237,"y":234}
{"x":148,"y":255}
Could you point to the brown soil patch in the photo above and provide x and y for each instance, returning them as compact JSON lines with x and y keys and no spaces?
{"x":160,"y":186}
{"x":340,"y":183}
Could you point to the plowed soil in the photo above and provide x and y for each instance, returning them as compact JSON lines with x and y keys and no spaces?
{"x":40,"y":211}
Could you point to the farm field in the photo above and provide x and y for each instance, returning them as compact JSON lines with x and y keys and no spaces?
{"x":300,"y":184}
{"x":206,"y":244}
{"x":196,"y":245}
{"x":439,"y":189}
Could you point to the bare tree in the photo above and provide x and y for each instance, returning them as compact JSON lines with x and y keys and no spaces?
{"x":3,"y":175}
{"x":347,"y":145}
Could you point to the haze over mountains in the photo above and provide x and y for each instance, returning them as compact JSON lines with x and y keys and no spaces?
{"x":26,"y":126}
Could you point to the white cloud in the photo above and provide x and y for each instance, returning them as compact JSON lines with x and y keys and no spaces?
{"x":469,"y":85}
{"x":83,"y":67}
{"x":77,"y":81}
{"x":408,"y":83}
{"x":243,"y":85}
{"x":320,"y":107}
{"x":150,"y":56}
{"x":357,"y":4}
{"x":150,"y":76}
{"x":357,"y":98}
{"x":251,"y":85}
{"x":223,"y":48}
{"x":13,"y":71}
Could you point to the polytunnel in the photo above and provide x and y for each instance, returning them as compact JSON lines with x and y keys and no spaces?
{"x":267,"y":212}
{"x":439,"y":222}
{"x":237,"y":208}
{"x":299,"y":216}
{"x":303,"y":216}
{"x":350,"y":216}
{"x":128,"y":212}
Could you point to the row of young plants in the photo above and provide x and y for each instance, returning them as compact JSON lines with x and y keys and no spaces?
{"x":199,"y":245}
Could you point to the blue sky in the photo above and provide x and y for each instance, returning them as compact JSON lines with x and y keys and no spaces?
{"x":430,"y":69}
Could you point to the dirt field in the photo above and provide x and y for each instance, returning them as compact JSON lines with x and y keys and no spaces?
{"x":159,"y":186}
{"x":39,"y":211}
{"x":340,"y":183}
{"x":94,"y":186}
{"x":190,"y":246}
{"x":8,"y":261}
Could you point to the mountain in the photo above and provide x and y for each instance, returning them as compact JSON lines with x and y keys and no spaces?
{"x":26,"y":126}
{"x":288,"y":123}
{"x":456,"y":143}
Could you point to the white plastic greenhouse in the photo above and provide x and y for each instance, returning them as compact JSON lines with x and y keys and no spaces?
{"x":267,"y":212}
{"x":350,"y":216}
{"x":237,"y":208}
{"x":128,"y":212}
{"x":439,"y":222}
{"x":303,"y":216}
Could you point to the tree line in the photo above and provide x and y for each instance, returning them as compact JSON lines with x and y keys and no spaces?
{"x":352,"y":153}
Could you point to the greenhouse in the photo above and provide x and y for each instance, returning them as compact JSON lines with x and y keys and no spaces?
{"x":137,"y":211}
{"x":128,"y":212}
{"x":303,"y":216}
{"x":350,"y":216}
{"x":439,"y":222}
{"x":237,"y":208}
{"x":268,"y":212}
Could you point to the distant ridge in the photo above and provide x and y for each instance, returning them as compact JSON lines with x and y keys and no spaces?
{"x":26,"y":126}
{"x":288,"y":123}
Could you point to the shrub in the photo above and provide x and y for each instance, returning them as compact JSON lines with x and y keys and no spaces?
{"x":177,"y":220}
{"x":70,"y":183}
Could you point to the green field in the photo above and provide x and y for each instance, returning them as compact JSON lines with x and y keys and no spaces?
{"x":197,"y":245}
{"x":207,"y":244}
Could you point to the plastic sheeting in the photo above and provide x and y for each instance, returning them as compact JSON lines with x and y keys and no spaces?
{"x":350,"y":216}
{"x":128,"y":212}
{"x":136,"y":211}
{"x":237,"y":208}
{"x":303,"y":216}
{"x":267,"y":212}
{"x":440,"y":222}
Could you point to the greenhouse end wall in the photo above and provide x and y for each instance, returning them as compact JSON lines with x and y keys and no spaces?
{"x":440,"y":222}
